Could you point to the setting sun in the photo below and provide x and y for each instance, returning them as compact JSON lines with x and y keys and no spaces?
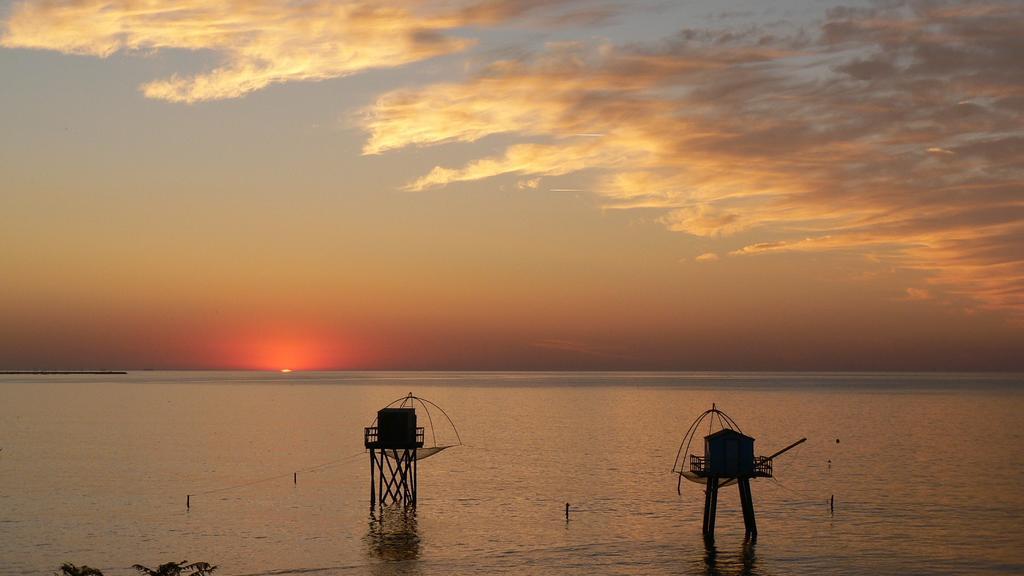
{"x":285,"y":370}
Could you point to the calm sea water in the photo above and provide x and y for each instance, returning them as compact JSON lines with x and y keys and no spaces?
{"x":95,"y":470}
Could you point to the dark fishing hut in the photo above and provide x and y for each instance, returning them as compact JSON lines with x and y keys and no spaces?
{"x":728,"y":458}
{"x":728,"y":453}
{"x":392,"y":444}
{"x":396,"y":445}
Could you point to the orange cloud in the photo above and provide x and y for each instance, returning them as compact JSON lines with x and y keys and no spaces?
{"x":894,"y":131}
{"x":260,"y":42}
{"x":265,"y":42}
{"x":918,"y":294}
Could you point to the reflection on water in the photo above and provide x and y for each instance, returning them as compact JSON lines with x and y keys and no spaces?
{"x":742,"y":564}
{"x":392,"y":540}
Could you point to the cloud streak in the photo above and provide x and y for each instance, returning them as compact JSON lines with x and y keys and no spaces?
{"x":258,"y":42}
{"x":893,"y":131}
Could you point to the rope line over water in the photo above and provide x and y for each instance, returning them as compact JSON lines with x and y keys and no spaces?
{"x":293,"y":474}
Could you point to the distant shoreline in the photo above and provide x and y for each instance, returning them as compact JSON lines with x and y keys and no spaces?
{"x":58,"y":372}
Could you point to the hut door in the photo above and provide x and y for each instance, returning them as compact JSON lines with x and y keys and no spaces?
{"x":732,"y":456}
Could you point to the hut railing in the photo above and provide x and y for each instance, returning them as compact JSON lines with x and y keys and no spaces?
{"x":763,"y":466}
{"x":697,"y":464}
{"x":371,"y":435}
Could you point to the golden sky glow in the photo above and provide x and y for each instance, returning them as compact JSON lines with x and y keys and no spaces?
{"x":512,"y":184}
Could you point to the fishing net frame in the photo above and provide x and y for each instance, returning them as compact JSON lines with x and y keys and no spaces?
{"x":409,"y":401}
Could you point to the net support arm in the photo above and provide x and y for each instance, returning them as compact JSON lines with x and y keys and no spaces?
{"x":787,"y":448}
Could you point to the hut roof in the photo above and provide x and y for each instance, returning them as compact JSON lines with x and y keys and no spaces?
{"x":727,"y":432}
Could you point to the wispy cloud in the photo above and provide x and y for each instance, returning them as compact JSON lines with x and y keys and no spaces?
{"x":917,"y":294}
{"x":258,"y":42}
{"x":894,"y":130}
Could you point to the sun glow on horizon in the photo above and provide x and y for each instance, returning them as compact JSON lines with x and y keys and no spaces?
{"x":285,"y":350}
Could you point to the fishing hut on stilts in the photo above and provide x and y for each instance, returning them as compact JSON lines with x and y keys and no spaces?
{"x":396,"y":445}
{"x":728,"y":459}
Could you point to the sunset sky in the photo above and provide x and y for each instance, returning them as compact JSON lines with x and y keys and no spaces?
{"x":512,"y":184}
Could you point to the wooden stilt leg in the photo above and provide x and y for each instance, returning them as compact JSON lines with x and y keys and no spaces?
{"x":707,"y":507}
{"x":393,"y":475}
{"x":398,"y":479}
{"x":398,"y":482}
{"x":743,"y":506}
{"x":714,"y":511}
{"x":400,"y":488}
{"x":380,"y":478}
{"x":390,"y":482}
{"x":747,"y":502}
{"x":407,"y":478}
{"x":400,"y":485}
{"x":373,"y":493}
{"x":710,"y":507}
